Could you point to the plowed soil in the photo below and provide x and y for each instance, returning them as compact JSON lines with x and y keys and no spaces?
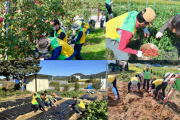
{"x":140,"y":106}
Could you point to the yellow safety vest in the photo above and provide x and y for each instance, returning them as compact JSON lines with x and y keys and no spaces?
{"x":111,"y":78}
{"x":81,"y":104}
{"x":134,"y":79}
{"x":157,"y":82}
{"x":34,"y":101}
{"x":57,"y":33}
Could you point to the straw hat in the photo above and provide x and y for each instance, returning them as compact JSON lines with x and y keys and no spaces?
{"x":149,"y":15}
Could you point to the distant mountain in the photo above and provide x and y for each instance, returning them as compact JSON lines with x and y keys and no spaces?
{"x":98,"y":75}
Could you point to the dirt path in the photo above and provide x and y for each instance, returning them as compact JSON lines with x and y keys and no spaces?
{"x":139,"y":105}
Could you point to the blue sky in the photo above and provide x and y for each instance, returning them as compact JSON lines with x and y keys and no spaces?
{"x":66,"y":68}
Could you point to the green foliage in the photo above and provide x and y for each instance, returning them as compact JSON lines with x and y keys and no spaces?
{"x":96,"y":110}
{"x":2,"y":93}
{"x":97,"y":85}
{"x":57,"y":88}
{"x":76,"y":86}
{"x":12,"y":92}
{"x":124,"y":76}
{"x":70,"y":94}
{"x":50,"y":91}
{"x":65,"y":87}
{"x":54,"y":84}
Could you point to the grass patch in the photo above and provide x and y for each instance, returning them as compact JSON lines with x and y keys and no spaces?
{"x":94,"y":47}
{"x":110,"y":55}
{"x":70,"y":94}
{"x":50,"y":91}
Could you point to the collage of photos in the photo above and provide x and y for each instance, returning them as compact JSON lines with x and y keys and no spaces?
{"x":129,"y":52}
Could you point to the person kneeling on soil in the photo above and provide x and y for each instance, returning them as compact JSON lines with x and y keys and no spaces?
{"x":160,"y":84}
{"x":38,"y":103}
{"x":175,"y":82}
{"x":134,"y":83}
{"x":78,"y":106}
{"x":79,"y":40}
{"x":121,"y":29}
{"x":58,"y":49}
{"x":112,"y":85}
{"x":173,"y":24}
{"x":51,"y":100}
{"x":138,"y":75}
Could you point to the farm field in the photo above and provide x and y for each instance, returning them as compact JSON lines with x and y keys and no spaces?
{"x":169,"y":44}
{"x":138,"y":104}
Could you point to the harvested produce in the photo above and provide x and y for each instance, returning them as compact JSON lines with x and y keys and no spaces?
{"x":149,"y":52}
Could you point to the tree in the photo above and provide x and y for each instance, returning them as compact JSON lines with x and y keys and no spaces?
{"x":91,"y":79}
{"x":97,"y":85}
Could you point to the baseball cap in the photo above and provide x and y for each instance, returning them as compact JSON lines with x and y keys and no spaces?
{"x":149,"y":15}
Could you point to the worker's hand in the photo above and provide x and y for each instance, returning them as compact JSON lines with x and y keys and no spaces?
{"x":36,"y":54}
{"x":69,"y":106}
{"x":139,"y":54}
{"x":46,"y":109}
{"x":146,"y":32}
{"x":69,"y":42}
{"x":111,"y":16}
{"x":55,"y":105}
{"x":165,"y":100}
{"x":159,"y":35}
{"x":71,"y":109}
{"x":116,"y":97}
{"x":43,"y":35}
{"x":172,"y":80}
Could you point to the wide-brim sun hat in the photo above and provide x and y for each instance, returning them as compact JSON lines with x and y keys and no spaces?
{"x":134,"y":85}
{"x":167,"y":76}
{"x":75,"y":27}
{"x":43,"y":44}
{"x":147,"y":66}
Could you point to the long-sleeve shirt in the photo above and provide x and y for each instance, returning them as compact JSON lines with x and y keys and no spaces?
{"x":78,"y":37}
{"x":40,"y":103}
{"x":55,"y":53}
{"x":76,"y":103}
{"x":125,"y":39}
{"x":165,"y":26}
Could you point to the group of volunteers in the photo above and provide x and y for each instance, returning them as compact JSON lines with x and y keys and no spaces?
{"x":41,"y":102}
{"x":153,"y":85}
{"x":57,"y":44}
{"x":121,"y":29}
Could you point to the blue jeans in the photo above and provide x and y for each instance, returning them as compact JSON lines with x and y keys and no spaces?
{"x":78,"y":48}
{"x":73,"y":109}
{"x":47,"y":103}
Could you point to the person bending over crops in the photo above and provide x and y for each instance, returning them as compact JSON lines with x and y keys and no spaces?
{"x":58,"y":49}
{"x":160,"y":84}
{"x":37,"y":102}
{"x":150,"y":83}
{"x":45,"y":96}
{"x":139,"y":76}
{"x":175,"y":82}
{"x":147,"y":75}
{"x":57,"y":31}
{"x":121,"y":29}
{"x":173,"y":24}
{"x":51,"y":100}
{"x":79,"y":40}
{"x":112,"y":85}
{"x":109,"y":9}
{"x":78,"y":106}
{"x":134,"y":83}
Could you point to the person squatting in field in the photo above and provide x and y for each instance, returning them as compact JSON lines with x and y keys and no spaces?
{"x":38,"y":103}
{"x":78,"y":106}
{"x":113,"y":86}
{"x":173,"y":24}
{"x":58,"y":49}
{"x":160,"y":84}
{"x":121,"y":29}
{"x":50,"y":101}
{"x":134,"y":83}
{"x":147,"y":75}
{"x":175,"y":82}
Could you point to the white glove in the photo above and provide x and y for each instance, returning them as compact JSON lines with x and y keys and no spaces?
{"x":172,"y":80}
{"x":146,"y":32}
{"x":116,"y":96}
{"x":36,"y":54}
{"x":159,"y":35}
{"x":139,"y":54}
{"x":44,"y":34}
{"x":111,"y":15}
